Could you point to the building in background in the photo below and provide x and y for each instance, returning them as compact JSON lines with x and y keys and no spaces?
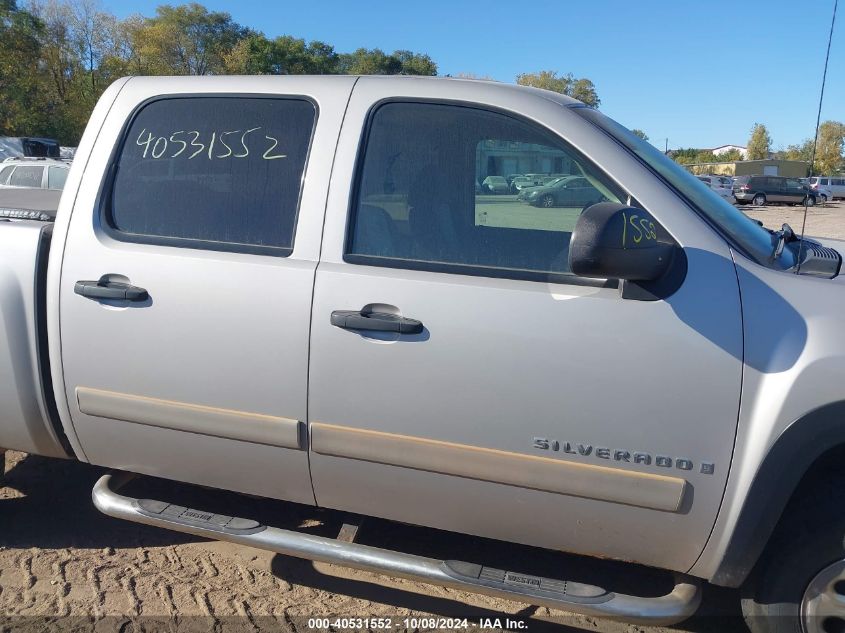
{"x":767,"y":167}
{"x":724,"y":149}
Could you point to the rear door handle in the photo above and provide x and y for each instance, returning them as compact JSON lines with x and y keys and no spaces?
{"x":110,"y":290}
{"x":375,"y":321}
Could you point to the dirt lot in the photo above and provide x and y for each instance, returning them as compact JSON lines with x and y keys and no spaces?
{"x":64,"y":566}
{"x":822,"y":221}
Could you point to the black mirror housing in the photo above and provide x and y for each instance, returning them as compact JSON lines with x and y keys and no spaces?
{"x":615,"y":241}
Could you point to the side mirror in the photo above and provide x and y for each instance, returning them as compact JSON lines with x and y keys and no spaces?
{"x":614,"y":241}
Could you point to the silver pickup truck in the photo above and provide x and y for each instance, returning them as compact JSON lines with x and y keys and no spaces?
{"x":295,"y":288}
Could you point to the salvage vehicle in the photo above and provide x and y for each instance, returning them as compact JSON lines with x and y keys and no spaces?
{"x":286,"y":287}
{"x":760,"y":190}
{"x":36,"y":173}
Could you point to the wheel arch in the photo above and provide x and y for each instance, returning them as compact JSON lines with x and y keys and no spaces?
{"x":805,"y":450}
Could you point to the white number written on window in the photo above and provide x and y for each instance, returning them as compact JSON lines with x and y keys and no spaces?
{"x":229,"y":144}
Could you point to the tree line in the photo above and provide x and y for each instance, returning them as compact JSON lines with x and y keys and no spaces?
{"x":829,"y":158}
{"x":58,"y":56}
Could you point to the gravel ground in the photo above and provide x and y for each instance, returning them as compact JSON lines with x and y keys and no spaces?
{"x":64,"y":566}
{"x":822,"y":221}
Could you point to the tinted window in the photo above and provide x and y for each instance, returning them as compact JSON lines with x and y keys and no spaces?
{"x":213,"y":172}
{"x":25,"y":176}
{"x":838,"y":181}
{"x":425,"y":201}
{"x":4,"y":173}
{"x":56,"y":177}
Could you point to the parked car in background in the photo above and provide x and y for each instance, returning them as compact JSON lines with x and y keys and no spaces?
{"x":836,"y":185}
{"x":720,"y":185}
{"x":760,"y":190}
{"x":37,"y":173}
{"x":521,"y":182}
{"x":495,"y":184}
{"x":823,"y":192}
{"x":23,"y":146}
{"x":510,"y":177}
{"x":568,"y":191}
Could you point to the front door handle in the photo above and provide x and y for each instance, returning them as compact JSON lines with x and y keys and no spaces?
{"x":375,"y":321}
{"x":110,"y":290}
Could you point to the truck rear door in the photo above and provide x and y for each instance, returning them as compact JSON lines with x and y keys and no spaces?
{"x":187,"y":279}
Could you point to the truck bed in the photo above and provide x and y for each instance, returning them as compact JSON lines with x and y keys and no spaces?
{"x":27,"y":413}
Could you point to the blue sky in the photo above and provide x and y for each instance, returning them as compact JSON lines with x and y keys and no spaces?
{"x":698,"y":73}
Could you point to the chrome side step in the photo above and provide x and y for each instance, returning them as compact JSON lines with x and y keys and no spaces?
{"x":555,"y":594}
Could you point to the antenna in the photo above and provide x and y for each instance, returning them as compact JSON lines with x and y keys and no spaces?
{"x":816,"y":137}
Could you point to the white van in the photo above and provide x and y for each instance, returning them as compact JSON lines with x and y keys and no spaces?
{"x":835,"y":183}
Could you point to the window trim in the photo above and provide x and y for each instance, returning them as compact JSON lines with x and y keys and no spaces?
{"x":105,"y":205}
{"x":455,"y":268}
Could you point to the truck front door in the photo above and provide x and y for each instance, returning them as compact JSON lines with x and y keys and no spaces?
{"x":463,"y":378}
{"x":187,"y":280}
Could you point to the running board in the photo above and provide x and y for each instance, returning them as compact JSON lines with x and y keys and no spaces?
{"x":556,"y":594}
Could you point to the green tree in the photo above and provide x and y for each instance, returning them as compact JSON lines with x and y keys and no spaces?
{"x":375,"y":61}
{"x":639,"y":133}
{"x":285,"y":55}
{"x":829,"y":148}
{"x":77,"y":43}
{"x":58,"y":56}
{"x":186,"y":40}
{"x":415,"y":63}
{"x":582,"y":89}
{"x":802,"y":151}
{"x":324,"y":59}
{"x":760,"y":143}
{"x":730,"y":156}
{"x":685,"y":156}
{"x":20,"y":51}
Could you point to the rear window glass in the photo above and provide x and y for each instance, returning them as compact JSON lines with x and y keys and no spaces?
{"x":25,"y":176}
{"x":222,"y":173}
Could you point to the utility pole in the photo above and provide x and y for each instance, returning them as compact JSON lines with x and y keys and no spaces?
{"x":666,"y":151}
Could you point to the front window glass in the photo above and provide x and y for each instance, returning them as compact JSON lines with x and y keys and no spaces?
{"x":432,"y":193}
